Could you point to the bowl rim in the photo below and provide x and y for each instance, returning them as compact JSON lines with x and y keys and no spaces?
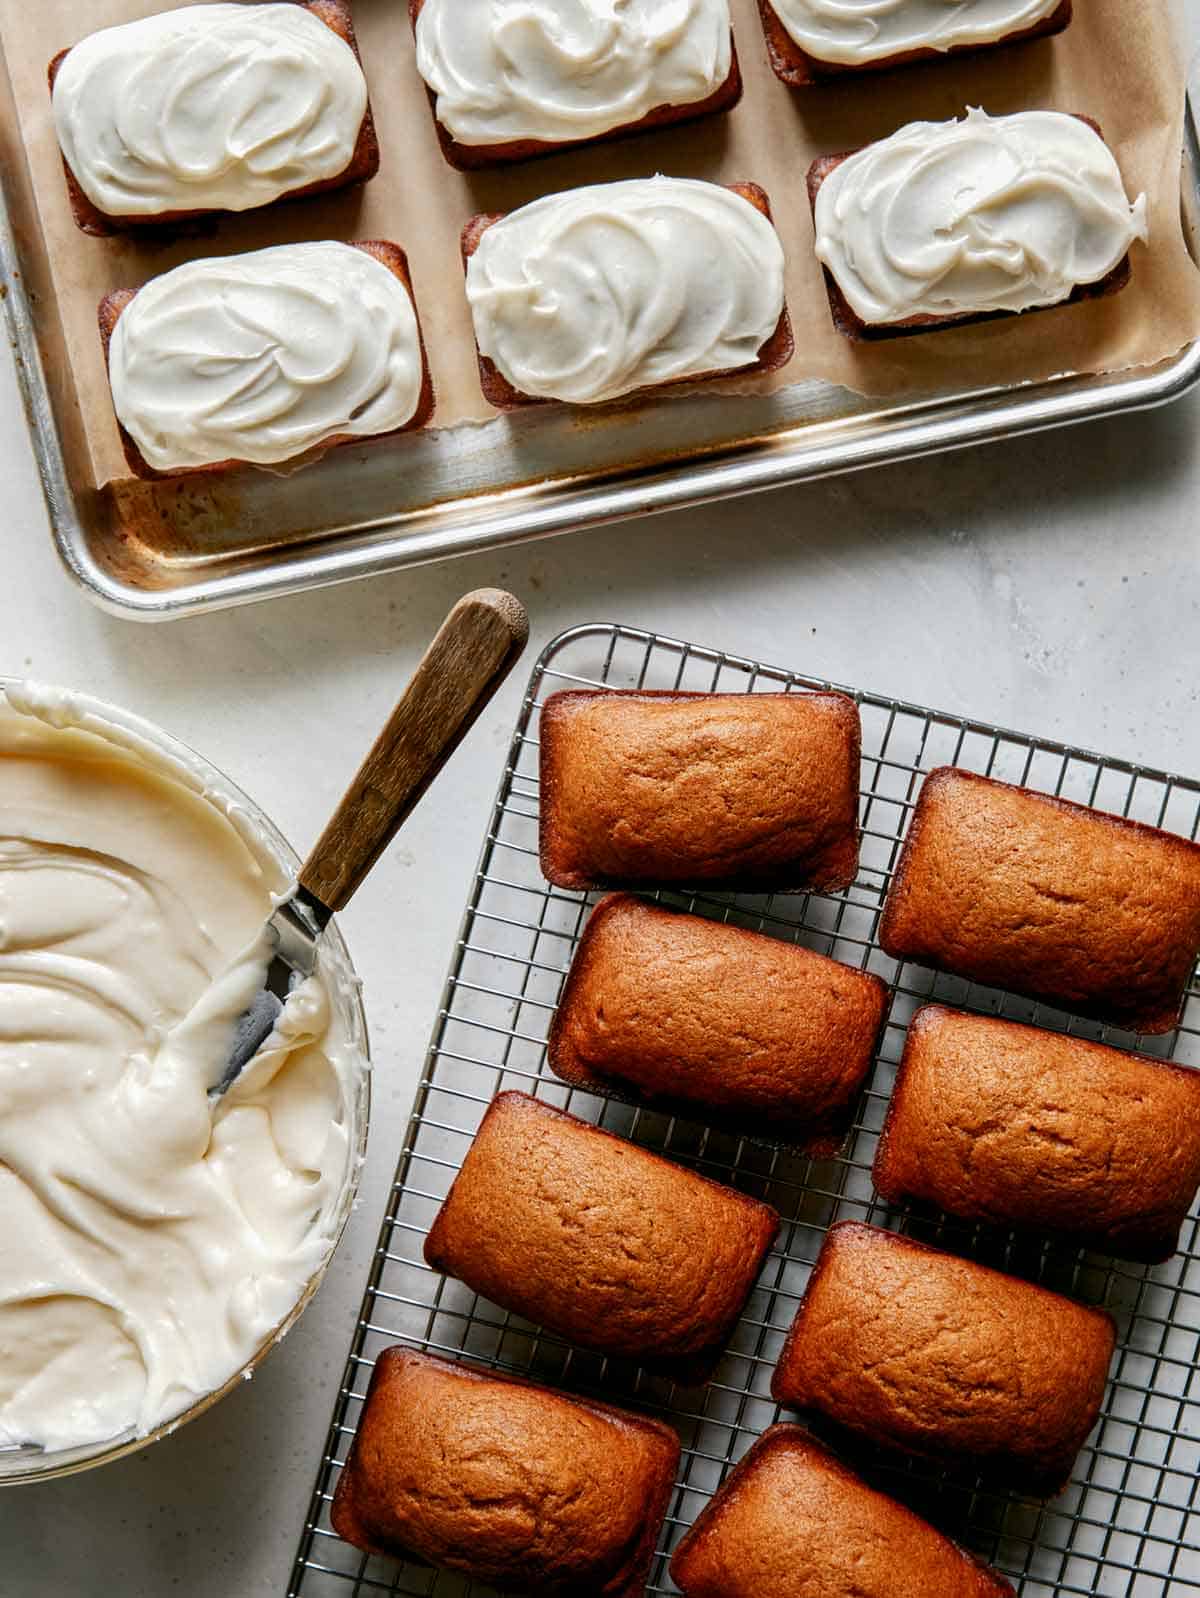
{"x":261,"y":835}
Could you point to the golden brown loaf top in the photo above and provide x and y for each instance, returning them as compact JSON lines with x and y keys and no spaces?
{"x":610,"y":1246}
{"x":793,"y":1522}
{"x":505,"y":1482}
{"x":1020,"y":890}
{"x":712,"y":1019}
{"x":932,"y":1355}
{"x":745,"y":790}
{"x":999,"y":1122}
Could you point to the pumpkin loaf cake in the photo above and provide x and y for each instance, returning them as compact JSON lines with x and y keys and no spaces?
{"x":608,"y":1245}
{"x":641,"y":788}
{"x":504,"y":1482}
{"x":1028,"y":212}
{"x":324,"y":337}
{"x":211,"y":108}
{"x":580,"y":75}
{"x":1011,"y":1125}
{"x":618,"y":289}
{"x":1021,"y":890}
{"x":793,"y":1522}
{"x":747,"y":1031}
{"x":815,"y":41}
{"x":926,"y":1354}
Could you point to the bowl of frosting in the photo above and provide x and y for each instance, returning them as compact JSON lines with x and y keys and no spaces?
{"x":156,"y":1240}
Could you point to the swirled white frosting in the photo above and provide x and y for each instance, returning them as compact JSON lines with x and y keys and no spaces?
{"x":260,"y":357}
{"x":219,"y":107}
{"x":591,"y":294}
{"x":985,"y":214}
{"x":857,"y":32}
{"x":150,"y":1240}
{"x":506,"y":70}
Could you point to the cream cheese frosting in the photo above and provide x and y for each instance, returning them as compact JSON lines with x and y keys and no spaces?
{"x":588,"y":295}
{"x":985,"y":214}
{"x":220,"y":107}
{"x":261,"y":357}
{"x":150,"y":1241}
{"x":857,"y":32}
{"x":552,"y":70}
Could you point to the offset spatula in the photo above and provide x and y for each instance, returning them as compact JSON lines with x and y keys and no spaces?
{"x":477,"y":644}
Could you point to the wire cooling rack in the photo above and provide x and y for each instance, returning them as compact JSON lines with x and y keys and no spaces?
{"x":1129,"y":1524}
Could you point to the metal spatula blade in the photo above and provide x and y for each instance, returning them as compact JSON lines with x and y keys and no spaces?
{"x":474,"y":650}
{"x":295,"y":930}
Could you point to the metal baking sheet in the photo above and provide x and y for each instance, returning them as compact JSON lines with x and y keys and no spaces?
{"x":156,"y":552}
{"x":1128,"y":1526}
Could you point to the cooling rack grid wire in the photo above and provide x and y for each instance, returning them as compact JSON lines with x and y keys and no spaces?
{"x":1129,"y":1524}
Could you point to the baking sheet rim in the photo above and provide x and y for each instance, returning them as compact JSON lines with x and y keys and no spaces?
{"x":911,"y":428}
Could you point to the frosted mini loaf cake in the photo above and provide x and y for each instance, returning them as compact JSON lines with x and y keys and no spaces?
{"x":206,"y":108}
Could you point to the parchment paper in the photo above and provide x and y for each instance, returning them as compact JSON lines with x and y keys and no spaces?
{"x":1119,"y":62}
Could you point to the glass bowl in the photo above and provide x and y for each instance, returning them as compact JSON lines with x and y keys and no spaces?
{"x":280,"y":865}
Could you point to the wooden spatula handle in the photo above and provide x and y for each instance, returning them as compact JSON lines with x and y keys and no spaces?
{"x":475,"y":647}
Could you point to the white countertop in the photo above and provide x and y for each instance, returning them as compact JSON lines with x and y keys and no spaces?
{"x":1050,"y":584}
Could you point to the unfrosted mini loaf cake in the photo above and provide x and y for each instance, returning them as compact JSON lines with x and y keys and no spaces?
{"x":509,"y":86}
{"x":1011,"y":1125}
{"x":792,"y":1521}
{"x":812,"y":40}
{"x":1047,"y":898}
{"x":605,"y":291}
{"x":1000,"y":215}
{"x":927,"y":1354}
{"x":711,"y":1020}
{"x":610,"y":1246}
{"x":261,"y":358}
{"x":222,"y":107}
{"x":642,"y":788}
{"x":504,"y":1482}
